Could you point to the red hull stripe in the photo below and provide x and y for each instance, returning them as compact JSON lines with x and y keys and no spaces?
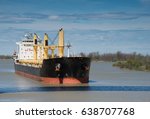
{"x":51,"y":80}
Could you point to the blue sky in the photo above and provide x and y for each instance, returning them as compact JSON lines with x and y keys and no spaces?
{"x":106,"y":26}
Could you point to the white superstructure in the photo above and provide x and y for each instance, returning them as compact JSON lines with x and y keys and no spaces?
{"x":25,"y":50}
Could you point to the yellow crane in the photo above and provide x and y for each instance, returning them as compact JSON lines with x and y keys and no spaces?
{"x":45,"y":47}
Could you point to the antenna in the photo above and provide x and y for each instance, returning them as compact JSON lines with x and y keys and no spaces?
{"x":28,"y":35}
{"x":68,"y":48}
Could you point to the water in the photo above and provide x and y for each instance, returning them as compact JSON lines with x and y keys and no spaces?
{"x":107,"y":83}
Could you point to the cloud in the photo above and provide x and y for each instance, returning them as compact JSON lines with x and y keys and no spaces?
{"x":21,"y":18}
{"x":31,"y":17}
{"x":97,"y":16}
{"x":54,"y":17}
{"x":109,"y":40}
{"x":12,"y":34}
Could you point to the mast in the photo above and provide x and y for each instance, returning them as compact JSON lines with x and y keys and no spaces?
{"x":35,"y":46}
{"x":45,"y":46}
{"x":61,"y":43}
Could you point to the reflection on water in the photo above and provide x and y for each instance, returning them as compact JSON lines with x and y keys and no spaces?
{"x":8,"y":78}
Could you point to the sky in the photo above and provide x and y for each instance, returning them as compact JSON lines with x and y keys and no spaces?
{"x":106,"y":26}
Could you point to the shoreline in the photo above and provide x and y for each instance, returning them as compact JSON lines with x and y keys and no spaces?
{"x":136,"y":66}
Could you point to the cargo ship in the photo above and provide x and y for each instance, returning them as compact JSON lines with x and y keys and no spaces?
{"x":36,"y":59}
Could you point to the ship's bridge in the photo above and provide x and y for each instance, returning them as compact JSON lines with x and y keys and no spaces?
{"x":25,"y":48}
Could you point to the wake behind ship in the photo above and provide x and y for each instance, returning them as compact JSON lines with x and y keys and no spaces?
{"x":33,"y":60}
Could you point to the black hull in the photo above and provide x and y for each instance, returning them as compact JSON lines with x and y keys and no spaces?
{"x":58,"y":70}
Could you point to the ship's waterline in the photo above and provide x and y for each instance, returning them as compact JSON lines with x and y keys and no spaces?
{"x":44,"y":80}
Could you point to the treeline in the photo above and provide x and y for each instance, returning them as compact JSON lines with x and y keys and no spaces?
{"x":118,"y":56}
{"x":5,"y":57}
{"x":136,"y":62}
{"x":123,"y":60}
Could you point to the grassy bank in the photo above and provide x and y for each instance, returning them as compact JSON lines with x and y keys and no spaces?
{"x":135,"y":62}
{"x":133,"y":65}
{"x":131,"y":61}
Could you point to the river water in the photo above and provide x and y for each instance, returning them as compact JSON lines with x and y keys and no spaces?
{"x":107,"y":83}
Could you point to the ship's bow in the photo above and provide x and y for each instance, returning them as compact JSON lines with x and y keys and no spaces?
{"x":66,"y":70}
